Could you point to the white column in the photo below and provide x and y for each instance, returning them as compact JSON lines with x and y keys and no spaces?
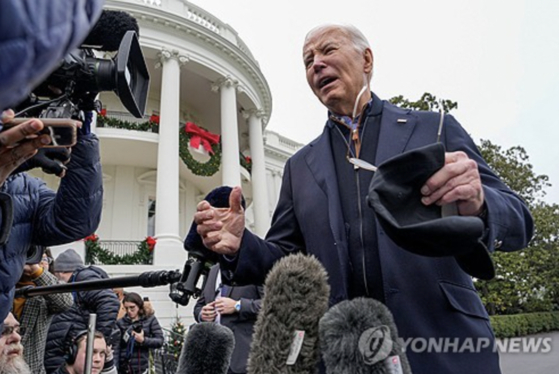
{"x":230,"y":163}
{"x":258,"y":175}
{"x":169,"y":248}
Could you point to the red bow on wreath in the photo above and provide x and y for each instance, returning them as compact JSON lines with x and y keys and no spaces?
{"x":200,"y":136}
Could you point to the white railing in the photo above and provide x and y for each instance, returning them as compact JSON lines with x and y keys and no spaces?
{"x":199,"y":16}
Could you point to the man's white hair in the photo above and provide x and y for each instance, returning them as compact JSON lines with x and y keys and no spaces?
{"x":357,"y":38}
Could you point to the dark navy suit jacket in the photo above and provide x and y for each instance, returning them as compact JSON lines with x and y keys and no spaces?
{"x":241,"y":323}
{"x":429,"y":297}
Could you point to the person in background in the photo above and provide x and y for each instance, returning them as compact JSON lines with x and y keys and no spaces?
{"x":234,"y":307}
{"x":35,"y":314}
{"x":70,"y":268}
{"x":11,"y":350}
{"x":102,"y":360}
{"x":148,"y":307}
{"x":140,"y":333}
{"x":323,"y":209}
{"x":47,"y":260}
{"x":119,"y":292}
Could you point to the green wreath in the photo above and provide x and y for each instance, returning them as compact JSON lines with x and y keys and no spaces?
{"x":205,"y":169}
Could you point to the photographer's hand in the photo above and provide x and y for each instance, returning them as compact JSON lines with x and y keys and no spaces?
{"x":138,"y":336}
{"x":18,"y":143}
{"x":50,"y":160}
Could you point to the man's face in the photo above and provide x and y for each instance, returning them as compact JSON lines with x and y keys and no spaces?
{"x":11,"y":351}
{"x":335,"y":70}
{"x":99,"y":353}
{"x":63,"y":276}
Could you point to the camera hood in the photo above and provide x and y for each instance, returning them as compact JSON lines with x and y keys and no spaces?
{"x":132,"y":77}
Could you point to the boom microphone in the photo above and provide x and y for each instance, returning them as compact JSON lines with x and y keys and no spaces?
{"x":207,"y":349}
{"x":285,"y":339}
{"x":360,"y":337}
{"x":109,"y":30}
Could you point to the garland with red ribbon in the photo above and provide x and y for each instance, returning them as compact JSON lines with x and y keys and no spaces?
{"x":95,"y":254}
{"x":190,"y":135}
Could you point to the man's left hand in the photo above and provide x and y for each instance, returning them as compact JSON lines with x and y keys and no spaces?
{"x":457,"y":181}
{"x":225,"y":305}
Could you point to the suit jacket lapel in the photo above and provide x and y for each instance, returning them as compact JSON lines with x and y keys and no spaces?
{"x":321,"y":163}
{"x":209,"y":290}
{"x":396,"y":127}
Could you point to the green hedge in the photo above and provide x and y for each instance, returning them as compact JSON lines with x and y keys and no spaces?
{"x":524,"y":324}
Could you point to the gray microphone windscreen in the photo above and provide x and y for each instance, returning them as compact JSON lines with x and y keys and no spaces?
{"x":360,"y":337}
{"x":285,"y":340}
{"x":207,"y":349}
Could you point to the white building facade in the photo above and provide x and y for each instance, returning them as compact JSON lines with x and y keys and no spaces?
{"x":201,"y":73}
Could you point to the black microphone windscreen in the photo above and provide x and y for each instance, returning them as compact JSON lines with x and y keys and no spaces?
{"x":109,"y":30}
{"x":360,"y":337}
{"x":207,"y":349}
{"x":285,"y":338}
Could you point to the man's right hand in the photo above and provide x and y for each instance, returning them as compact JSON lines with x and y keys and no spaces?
{"x":221,"y":229}
{"x":208,"y":312}
{"x":13,"y":149}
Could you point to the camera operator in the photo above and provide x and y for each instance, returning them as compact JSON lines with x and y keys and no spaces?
{"x":34,"y":36}
{"x":140,"y":333}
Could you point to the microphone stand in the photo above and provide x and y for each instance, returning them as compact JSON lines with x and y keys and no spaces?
{"x":146,"y":280}
{"x":182,"y":285}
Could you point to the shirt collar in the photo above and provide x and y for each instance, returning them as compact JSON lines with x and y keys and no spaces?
{"x":372,"y":108}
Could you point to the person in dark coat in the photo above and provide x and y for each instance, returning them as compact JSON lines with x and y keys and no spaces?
{"x":43,"y":216}
{"x":233,"y":307}
{"x":140,"y":333}
{"x":323,"y":210}
{"x":35,"y":36}
{"x":65,"y":326}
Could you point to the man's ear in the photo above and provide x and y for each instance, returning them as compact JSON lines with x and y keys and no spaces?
{"x":368,"y":57}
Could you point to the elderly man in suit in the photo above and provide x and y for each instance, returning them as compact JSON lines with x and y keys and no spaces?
{"x":323,"y":210}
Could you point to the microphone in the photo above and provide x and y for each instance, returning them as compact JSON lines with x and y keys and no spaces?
{"x":360,"y":337}
{"x":207,"y":349}
{"x":285,"y":339}
{"x":109,"y":30}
